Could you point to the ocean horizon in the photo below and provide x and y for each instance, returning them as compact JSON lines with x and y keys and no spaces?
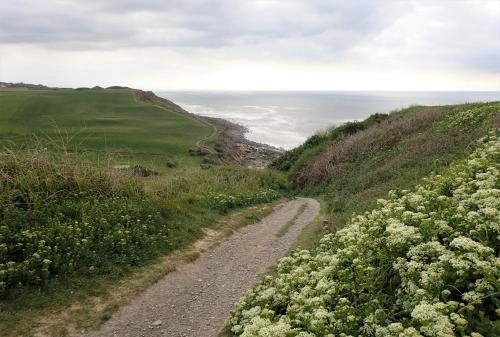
{"x":286,"y":119}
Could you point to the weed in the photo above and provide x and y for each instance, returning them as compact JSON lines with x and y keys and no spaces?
{"x":284,"y":229}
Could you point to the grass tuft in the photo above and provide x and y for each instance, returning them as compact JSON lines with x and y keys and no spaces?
{"x":286,"y":227}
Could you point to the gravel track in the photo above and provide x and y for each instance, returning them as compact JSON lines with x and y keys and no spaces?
{"x":197,"y":298}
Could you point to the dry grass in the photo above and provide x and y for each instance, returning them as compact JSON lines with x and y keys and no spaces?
{"x":350,"y":170}
{"x":345,"y":153}
{"x":37,"y":174}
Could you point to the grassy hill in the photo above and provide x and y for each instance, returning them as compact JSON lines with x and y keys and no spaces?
{"x":101,"y":123}
{"x":353,"y":165}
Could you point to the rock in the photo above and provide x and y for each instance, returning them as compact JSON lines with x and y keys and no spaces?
{"x":142,"y":171}
{"x":171,"y":163}
{"x":326,"y":223}
{"x":157,"y":323}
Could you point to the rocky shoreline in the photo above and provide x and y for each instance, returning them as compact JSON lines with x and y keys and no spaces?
{"x":245,"y":151}
{"x":235,"y":145}
{"x":242,"y":150}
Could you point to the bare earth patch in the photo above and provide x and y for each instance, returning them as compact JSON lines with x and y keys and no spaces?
{"x":197,"y":298}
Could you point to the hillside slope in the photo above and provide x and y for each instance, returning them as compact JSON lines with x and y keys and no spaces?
{"x":72,"y":229}
{"x":421,"y":263}
{"x":353,"y":165}
{"x":102,"y":122}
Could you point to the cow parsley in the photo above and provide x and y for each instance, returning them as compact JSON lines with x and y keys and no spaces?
{"x":424,"y":263}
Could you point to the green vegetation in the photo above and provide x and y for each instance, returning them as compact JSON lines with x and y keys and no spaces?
{"x":283,"y":230}
{"x":63,"y":217}
{"x":225,"y":202}
{"x":418,"y":264}
{"x":127,"y":124}
{"x":423,"y":263}
{"x":353,"y":165}
{"x":65,"y":223}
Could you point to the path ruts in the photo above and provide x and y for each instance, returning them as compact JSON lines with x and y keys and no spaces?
{"x":196,"y":299}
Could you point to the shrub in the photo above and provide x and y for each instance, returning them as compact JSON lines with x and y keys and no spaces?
{"x":80,"y":236}
{"x":223,"y":202}
{"x":464,"y":119}
{"x":60,"y":216}
{"x":424,"y":263}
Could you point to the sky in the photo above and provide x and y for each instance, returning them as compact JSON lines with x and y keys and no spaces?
{"x":253,"y":45}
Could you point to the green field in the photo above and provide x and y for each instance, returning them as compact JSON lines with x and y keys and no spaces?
{"x":101,"y":123}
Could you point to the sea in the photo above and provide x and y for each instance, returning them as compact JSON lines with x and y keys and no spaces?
{"x":286,"y":119}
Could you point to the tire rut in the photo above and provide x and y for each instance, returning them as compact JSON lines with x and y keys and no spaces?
{"x":197,"y":298}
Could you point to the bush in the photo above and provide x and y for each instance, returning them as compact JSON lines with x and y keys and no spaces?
{"x":80,"y":236}
{"x":189,"y":185}
{"x":224,"y":202}
{"x":65,"y":217}
{"x":60,"y":217}
{"x":462,"y":120}
{"x":424,"y":263}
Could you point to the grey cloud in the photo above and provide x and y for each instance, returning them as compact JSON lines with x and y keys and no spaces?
{"x":183,"y":23}
{"x":467,"y":35}
{"x":460,"y":32}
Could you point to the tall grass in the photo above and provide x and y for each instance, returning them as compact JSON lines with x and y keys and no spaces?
{"x":61,"y":216}
{"x":363,"y":143}
{"x":194,"y":182}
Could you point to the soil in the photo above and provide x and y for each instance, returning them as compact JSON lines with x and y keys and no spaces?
{"x":196,"y":299}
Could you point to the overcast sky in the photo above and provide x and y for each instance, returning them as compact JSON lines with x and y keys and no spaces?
{"x":253,"y":45}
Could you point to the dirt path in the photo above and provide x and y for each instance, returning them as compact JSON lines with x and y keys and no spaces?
{"x":196,"y":300}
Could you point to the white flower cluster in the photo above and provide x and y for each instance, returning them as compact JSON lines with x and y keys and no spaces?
{"x":462,"y":119}
{"x":423,"y":263}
